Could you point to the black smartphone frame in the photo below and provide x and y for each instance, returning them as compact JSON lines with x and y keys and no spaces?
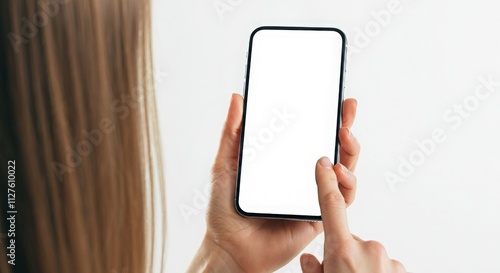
{"x":343,"y":70}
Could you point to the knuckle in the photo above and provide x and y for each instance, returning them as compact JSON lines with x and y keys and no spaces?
{"x":376,"y":249}
{"x":398,"y":266}
{"x":350,"y":182}
{"x":354,"y":180}
{"x":333,"y":199}
{"x":357,"y":145}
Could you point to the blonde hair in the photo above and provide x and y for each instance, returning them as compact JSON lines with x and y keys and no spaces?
{"x":78,"y":117}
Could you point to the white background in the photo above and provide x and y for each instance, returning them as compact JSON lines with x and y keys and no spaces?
{"x":407,"y":73}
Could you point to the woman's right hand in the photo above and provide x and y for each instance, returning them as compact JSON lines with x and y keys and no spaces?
{"x":344,"y":252}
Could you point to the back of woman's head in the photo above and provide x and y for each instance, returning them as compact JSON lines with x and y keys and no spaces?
{"x":77,"y":125}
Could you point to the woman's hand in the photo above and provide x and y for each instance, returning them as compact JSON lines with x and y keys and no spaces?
{"x":344,"y":252}
{"x":236,"y":244}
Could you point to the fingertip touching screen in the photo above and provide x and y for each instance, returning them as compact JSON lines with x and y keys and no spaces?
{"x":291,"y":119}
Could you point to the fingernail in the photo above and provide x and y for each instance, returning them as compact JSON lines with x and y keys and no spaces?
{"x":344,"y":169}
{"x":325,"y":162}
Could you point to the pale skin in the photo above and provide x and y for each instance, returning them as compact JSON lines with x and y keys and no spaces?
{"x":233,"y":243}
{"x":344,"y":252}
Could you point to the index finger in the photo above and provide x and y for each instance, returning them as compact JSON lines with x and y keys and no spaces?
{"x":332,"y":203}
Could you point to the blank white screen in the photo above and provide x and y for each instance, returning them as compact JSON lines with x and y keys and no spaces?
{"x":291,"y":119}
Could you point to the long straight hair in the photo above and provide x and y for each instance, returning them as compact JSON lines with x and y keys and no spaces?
{"x":78,"y":125}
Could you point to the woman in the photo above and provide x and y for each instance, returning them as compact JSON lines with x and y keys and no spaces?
{"x":78,"y":124}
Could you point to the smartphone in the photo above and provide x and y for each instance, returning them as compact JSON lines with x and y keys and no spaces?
{"x":291,"y":117}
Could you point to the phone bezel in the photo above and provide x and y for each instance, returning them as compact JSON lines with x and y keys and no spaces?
{"x":242,"y":137}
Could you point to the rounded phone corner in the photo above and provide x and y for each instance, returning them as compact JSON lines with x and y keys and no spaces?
{"x":342,"y":34}
{"x":240,"y":210}
{"x":255,"y":31}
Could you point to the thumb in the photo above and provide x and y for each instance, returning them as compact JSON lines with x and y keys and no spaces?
{"x":227,"y":155}
{"x":310,"y":264}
